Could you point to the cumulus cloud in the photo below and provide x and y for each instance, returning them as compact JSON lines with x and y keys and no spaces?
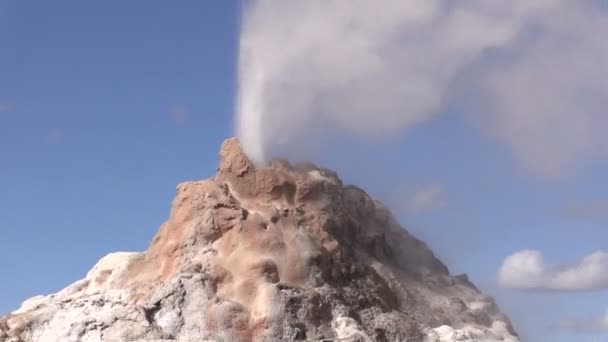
{"x":532,"y":74}
{"x":527,"y":270}
{"x":423,"y":199}
{"x":599,"y":324}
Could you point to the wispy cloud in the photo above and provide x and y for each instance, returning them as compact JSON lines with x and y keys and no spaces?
{"x":56,"y":136}
{"x":179,"y":114}
{"x":598,"y":324}
{"x":4,"y":107}
{"x":527,"y":270}
{"x":421,"y":199}
{"x":592,"y":210}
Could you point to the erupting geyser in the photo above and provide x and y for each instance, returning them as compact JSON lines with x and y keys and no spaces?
{"x":376,"y":68}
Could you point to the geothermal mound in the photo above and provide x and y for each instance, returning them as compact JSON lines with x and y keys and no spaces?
{"x":277,"y":253}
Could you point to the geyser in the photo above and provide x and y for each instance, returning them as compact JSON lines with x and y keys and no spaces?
{"x":535,"y":75}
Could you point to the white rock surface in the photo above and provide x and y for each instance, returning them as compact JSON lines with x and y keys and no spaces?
{"x":281,"y":253}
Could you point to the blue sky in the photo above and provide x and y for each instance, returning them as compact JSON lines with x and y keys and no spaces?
{"x":106,"y":106}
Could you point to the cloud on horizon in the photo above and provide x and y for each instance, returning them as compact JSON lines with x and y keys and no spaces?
{"x":527,"y":270}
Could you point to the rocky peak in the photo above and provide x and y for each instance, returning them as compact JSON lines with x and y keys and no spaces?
{"x":279,"y":252}
{"x":233,"y":160}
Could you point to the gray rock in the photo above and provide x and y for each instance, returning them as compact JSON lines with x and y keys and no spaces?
{"x":278,"y":253}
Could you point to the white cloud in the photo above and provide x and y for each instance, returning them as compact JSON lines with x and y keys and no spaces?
{"x":527,"y":270}
{"x":421,"y":199}
{"x":532,"y":74}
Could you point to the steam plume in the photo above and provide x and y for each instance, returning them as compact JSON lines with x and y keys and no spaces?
{"x":534,"y":74}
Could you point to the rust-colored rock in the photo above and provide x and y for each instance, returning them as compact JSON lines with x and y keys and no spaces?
{"x":277,"y":253}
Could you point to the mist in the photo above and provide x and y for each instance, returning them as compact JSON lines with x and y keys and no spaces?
{"x":531,"y":75}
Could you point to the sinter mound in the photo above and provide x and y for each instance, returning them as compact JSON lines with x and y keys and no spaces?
{"x":279,"y":253}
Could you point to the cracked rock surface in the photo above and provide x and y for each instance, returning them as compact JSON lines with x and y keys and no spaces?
{"x":276,"y":253}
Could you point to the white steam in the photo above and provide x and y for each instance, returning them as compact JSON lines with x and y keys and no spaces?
{"x":533,"y":73}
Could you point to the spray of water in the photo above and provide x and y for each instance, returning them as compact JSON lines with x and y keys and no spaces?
{"x":533,"y":74}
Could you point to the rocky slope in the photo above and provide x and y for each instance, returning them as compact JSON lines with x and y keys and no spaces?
{"x":279,"y":253}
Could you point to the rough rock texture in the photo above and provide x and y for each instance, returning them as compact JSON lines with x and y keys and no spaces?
{"x":280,"y":253}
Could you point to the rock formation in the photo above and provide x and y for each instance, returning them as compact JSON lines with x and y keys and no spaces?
{"x":276,"y":253}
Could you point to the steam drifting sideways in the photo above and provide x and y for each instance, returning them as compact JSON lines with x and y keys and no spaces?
{"x":534,"y":73}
